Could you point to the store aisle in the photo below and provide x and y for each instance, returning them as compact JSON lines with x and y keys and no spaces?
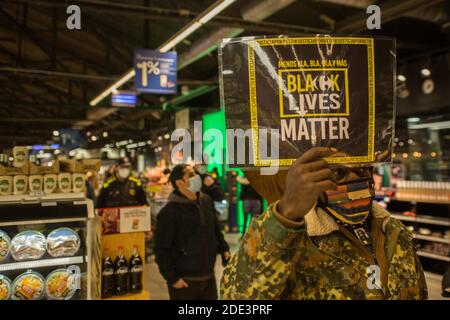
{"x":156,"y":285}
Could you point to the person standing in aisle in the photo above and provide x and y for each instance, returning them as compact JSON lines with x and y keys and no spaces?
{"x":323,"y":237}
{"x":122,"y":190}
{"x":252,"y":201}
{"x":188,"y":239}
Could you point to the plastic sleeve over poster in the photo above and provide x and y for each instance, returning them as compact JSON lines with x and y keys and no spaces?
{"x":284,"y":95}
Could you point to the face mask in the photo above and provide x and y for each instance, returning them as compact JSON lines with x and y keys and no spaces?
{"x":202,"y":170}
{"x":195,"y":184}
{"x":123,"y":173}
{"x":351,"y":202}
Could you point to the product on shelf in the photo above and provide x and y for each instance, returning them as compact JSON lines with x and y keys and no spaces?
{"x":20,"y":184}
{"x":63,"y":242}
{"x":28,"y":245}
{"x":60,"y":285}
{"x":35,"y":183}
{"x":410,"y":228}
{"x":6,"y":185}
{"x":108,"y":279}
{"x":20,"y":155}
{"x":78,"y":184}
{"x":65,"y":182}
{"x":50,"y":183}
{"x":5,"y":245}
{"x":5,"y":288}
{"x":28,"y":286}
{"x":425,"y":231}
{"x":135,"y":272}
{"x":121,"y":272}
{"x":409,"y":214}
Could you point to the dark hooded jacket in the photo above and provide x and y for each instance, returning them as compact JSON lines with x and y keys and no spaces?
{"x":188,"y":238}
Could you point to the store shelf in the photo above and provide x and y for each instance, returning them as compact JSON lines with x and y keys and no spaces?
{"x":26,"y":198}
{"x":41,"y":263}
{"x":423,"y":219}
{"x":144,"y":295}
{"x":433,"y":255}
{"x":430,"y":238}
{"x":419,"y":200}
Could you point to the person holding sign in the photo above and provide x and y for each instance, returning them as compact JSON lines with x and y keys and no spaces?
{"x":322,"y":237}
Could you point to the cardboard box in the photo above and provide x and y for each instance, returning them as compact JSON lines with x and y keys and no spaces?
{"x":125,"y":220}
{"x":110,"y":220}
{"x":50,"y":183}
{"x":79,"y":166}
{"x":65,"y":182}
{"x":13,"y":171}
{"x":135,"y":219}
{"x":53,"y":169}
{"x":35,"y":183}
{"x":20,"y":184}
{"x":6,"y":185}
{"x":20,"y":155}
{"x":78,"y":184}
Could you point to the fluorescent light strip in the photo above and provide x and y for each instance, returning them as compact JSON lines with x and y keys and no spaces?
{"x":215,"y":11}
{"x":129,"y":75}
{"x":432,"y":125}
{"x":204,"y":17}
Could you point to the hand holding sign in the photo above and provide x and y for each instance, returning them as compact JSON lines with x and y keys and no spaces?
{"x":306,"y":179}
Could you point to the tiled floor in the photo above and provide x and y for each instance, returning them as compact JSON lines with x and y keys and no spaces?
{"x":157,"y":287}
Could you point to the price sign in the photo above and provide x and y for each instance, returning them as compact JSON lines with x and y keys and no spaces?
{"x":156,"y":72}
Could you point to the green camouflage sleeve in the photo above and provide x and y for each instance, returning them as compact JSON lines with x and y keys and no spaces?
{"x":263,"y":264}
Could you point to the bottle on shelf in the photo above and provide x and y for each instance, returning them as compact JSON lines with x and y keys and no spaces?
{"x":121,"y":273}
{"x":108,"y":281}
{"x":135,"y":271}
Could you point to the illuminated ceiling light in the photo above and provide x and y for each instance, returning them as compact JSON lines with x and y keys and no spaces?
{"x":57,"y":151}
{"x":401,"y":78}
{"x":149,"y":142}
{"x":410,"y":141}
{"x":94,"y":138}
{"x":72,"y":153}
{"x":413,"y":119}
{"x":394,"y":155}
{"x":401,"y":143}
{"x":433,"y":154}
{"x":105,"y":134}
{"x":166,"y":136}
{"x":56,"y":133}
{"x":88,"y":133}
{"x":395,"y":139}
{"x":425,"y":72}
{"x":405,"y":156}
{"x":130,"y":141}
{"x":203,"y":18}
{"x":160,"y":138}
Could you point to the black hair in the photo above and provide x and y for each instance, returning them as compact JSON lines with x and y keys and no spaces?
{"x":177,"y":173}
{"x":166,"y":171}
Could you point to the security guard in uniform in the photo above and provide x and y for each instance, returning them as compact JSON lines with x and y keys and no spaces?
{"x":122,"y":190}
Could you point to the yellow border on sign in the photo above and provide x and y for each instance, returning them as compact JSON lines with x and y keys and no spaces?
{"x":313,"y":41}
{"x":347,"y":109}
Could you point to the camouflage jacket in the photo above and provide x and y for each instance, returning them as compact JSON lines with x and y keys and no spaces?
{"x":316,"y":259}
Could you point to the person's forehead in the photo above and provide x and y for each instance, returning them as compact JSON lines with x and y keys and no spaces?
{"x":188,"y":169}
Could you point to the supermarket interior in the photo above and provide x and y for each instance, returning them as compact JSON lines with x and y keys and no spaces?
{"x":118,"y":182}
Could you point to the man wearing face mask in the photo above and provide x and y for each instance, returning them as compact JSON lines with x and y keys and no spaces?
{"x":322,"y":237}
{"x":188,"y":239}
{"x":122,"y":190}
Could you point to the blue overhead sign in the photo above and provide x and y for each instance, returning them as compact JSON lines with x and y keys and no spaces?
{"x":156,"y":72}
{"x":124,"y":99}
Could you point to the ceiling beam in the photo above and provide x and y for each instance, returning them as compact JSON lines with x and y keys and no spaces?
{"x":390,"y":10}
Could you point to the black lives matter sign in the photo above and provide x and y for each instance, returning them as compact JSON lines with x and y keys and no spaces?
{"x":315,"y":91}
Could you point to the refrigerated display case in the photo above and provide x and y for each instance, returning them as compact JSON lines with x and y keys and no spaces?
{"x":49,"y":247}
